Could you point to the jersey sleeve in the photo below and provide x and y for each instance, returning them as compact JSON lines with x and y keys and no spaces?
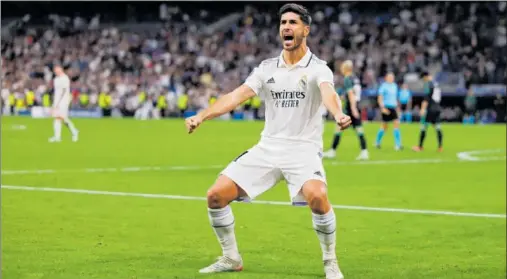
{"x":381,"y":90}
{"x":325,"y":75}
{"x":255,"y":81}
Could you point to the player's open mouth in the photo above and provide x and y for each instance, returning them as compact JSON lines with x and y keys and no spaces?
{"x":288,"y":38}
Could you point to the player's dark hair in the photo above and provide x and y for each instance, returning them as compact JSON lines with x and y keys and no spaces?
{"x":297,"y":9}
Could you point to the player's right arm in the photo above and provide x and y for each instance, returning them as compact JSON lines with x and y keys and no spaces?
{"x":228,"y":102}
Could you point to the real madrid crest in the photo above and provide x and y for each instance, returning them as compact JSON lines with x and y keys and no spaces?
{"x":303,"y":82}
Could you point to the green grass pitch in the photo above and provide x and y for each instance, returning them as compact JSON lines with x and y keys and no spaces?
{"x":66,"y":235}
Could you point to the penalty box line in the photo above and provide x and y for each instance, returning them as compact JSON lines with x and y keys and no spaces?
{"x":179,"y":197}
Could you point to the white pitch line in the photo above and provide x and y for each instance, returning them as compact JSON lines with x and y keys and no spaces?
{"x":178,"y":197}
{"x":469,"y":155}
{"x":190,"y":167}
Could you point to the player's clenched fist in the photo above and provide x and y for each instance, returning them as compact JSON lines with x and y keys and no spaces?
{"x":192,"y":123}
{"x":343,"y":120}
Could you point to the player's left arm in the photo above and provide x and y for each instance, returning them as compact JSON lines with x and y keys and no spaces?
{"x":326,"y":86}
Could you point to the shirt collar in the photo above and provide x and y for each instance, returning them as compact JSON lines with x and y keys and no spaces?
{"x":302,"y":63}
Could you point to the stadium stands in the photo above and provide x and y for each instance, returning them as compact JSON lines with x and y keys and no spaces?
{"x":202,"y":52}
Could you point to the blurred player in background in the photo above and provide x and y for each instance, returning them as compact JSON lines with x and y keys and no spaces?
{"x":352,"y":95}
{"x":61,"y":102}
{"x":388,"y":103}
{"x":405,"y":97}
{"x":430,"y":112}
{"x":294,"y":87}
{"x":470,"y":107}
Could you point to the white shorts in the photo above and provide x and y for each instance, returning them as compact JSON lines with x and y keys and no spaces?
{"x":62,"y":112}
{"x":264,"y":165}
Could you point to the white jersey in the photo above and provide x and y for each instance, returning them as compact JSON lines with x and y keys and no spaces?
{"x":292,"y":97}
{"x":62,"y":96}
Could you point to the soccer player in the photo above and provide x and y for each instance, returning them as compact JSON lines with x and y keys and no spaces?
{"x":294,"y":86}
{"x":352,"y":91}
{"x":61,"y":102}
{"x":405,"y":97}
{"x":388,"y":103}
{"x":430,"y":112}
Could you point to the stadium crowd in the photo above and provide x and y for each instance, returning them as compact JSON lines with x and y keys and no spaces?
{"x":180,"y":66}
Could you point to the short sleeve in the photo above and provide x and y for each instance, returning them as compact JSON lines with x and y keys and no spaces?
{"x":255,"y":80}
{"x":381,"y":90}
{"x":325,"y":75}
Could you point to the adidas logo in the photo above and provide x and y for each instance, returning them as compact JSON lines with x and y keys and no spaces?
{"x":271,"y":80}
{"x":318,"y":173}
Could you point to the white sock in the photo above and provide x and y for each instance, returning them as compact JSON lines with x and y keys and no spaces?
{"x":71,"y":126}
{"x":57,"y":127}
{"x":222,"y":221}
{"x":325,"y":227}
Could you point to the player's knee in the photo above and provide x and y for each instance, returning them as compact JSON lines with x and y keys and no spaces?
{"x":319,"y":203}
{"x":316,"y":196}
{"x":215,"y":199}
{"x":359,"y":130}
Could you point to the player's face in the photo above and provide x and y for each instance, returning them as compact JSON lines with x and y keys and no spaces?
{"x":389,"y":77}
{"x":345,"y":70}
{"x":342,"y":70}
{"x":292,"y":31}
{"x":58,"y":70}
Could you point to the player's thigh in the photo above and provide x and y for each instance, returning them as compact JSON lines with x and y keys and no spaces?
{"x":357,"y":123}
{"x":435,"y":120}
{"x":393,"y":114}
{"x":61,"y":113}
{"x":303,"y":167}
{"x":387,"y":117}
{"x":433,"y":117}
{"x":253,"y":172}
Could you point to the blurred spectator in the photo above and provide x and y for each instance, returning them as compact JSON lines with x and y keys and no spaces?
{"x":180,"y":59}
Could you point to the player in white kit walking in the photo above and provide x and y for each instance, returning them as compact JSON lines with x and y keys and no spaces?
{"x":60,"y":108}
{"x":293,"y":86}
